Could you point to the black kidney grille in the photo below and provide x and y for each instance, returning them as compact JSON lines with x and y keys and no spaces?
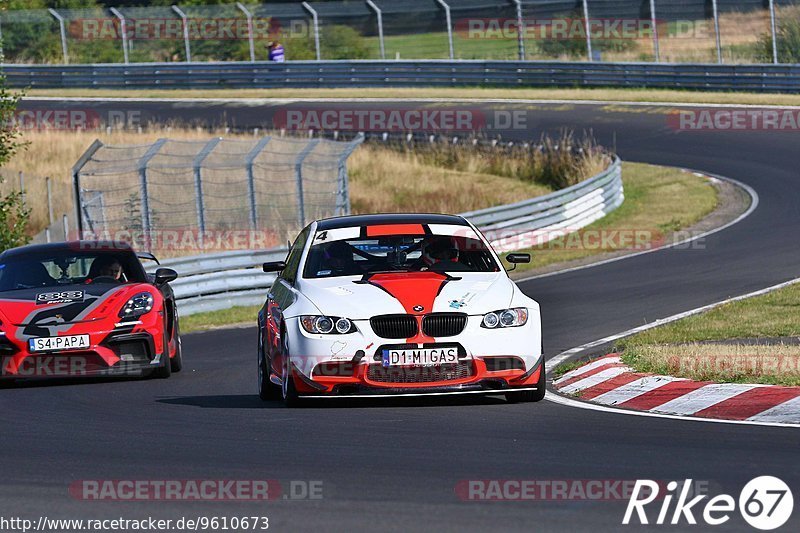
{"x":444,"y":324}
{"x":394,"y":326}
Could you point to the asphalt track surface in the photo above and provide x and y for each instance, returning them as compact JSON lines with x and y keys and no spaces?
{"x":394,"y":465}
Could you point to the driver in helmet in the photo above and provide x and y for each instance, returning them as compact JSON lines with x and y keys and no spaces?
{"x":440,"y":253}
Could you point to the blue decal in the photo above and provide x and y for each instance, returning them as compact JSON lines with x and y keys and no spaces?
{"x":386,"y":358}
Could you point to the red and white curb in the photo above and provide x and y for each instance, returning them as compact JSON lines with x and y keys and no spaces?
{"x":608,"y":381}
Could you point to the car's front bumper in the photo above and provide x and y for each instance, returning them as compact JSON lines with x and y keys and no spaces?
{"x":351,"y":365}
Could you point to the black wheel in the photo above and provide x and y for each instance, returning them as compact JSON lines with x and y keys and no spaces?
{"x":176,"y":362}
{"x":530,"y":395}
{"x":266,"y":389}
{"x":288,"y":390}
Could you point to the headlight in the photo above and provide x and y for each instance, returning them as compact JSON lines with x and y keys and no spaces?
{"x":505,"y":318}
{"x":327,"y":324}
{"x":140,"y":304}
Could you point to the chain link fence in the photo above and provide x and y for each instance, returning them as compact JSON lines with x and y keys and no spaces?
{"x":186,"y":197}
{"x":723,"y":31}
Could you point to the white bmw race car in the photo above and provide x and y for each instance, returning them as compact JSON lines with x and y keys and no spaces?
{"x":399,"y":305}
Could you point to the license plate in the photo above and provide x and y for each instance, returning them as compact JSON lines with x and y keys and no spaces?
{"x":65,"y":342}
{"x":420,"y":357}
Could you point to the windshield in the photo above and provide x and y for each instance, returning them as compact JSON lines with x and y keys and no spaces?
{"x":69,"y":268}
{"x":359,"y":256}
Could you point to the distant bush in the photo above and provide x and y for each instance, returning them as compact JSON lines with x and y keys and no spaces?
{"x":788,"y":38}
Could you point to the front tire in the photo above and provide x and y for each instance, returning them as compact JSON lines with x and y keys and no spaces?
{"x":288,"y":390}
{"x":526,"y":396}
{"x":176,"y":362}
{"x":267,"y":390}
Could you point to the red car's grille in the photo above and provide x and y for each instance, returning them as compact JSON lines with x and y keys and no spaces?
{"x":420,"y":374}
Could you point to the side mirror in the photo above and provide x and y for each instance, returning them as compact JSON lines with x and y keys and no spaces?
{"x":165,"y":275}
{"x":515,"y":259}
{"x":274,"y":266}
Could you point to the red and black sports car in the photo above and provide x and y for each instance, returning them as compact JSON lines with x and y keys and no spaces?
{"x":85,"y":309}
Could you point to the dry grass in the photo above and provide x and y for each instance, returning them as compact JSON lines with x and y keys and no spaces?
{"x":385,"y":180}
{"x":728,"y":362}
{"x":449,"y":93}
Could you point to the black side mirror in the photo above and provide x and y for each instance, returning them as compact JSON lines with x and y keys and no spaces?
{"x":274,"y":266}
{"x":165,"y":275}
{"x":517,"y":258}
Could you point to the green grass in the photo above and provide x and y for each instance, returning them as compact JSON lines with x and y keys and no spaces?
{"x":658,"y":200}
{"x":216,"y":319}
{"x":776,"y":314}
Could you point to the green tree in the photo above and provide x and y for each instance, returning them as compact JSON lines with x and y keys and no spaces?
{"x":787,"y":37}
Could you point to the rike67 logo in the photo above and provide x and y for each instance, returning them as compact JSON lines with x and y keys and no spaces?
{"x":765,"y":503}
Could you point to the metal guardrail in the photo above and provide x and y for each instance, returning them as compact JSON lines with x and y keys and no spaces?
{"x":229,"y":75}
{"x":218,"y":281}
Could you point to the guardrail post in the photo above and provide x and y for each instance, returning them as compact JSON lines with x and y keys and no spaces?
{"x":251,"y":181}
{"x":587,"y":25}
{"x":343,"y":196}
{"x":197,"y":165}
{"x":65,"y":222}
{"x":520,"y":30}
{"x":449,"y":26}
{"x":124,"y":29}
{"x":249,"y":30}
{"x":315,"y":18}
{"x":143,"y":162}
{"x":773,"y":31}
{"x":716,"y":30}
{"x":63,"y":30}
{"x":49,"y":201}
{"x":76,"y":180}
{"x":185,"y":20}
{"x":654,"y":22}
{"x":379,"y":14}
{"x":298,"y":173}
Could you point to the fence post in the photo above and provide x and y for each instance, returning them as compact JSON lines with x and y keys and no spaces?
{"x":123,"y":26}
{"x":343,"y":196}
{"x":774,"y":31}
{"x":22,"y":186}
{"x":654,"y":22}
{"x":298,"y":174}
{"x":76,"y":180}
{"x":716,"y":31}
{"x":185,"y":20}
{"x":379,"y":14}
{"x":143,"y":162}
{"x":251,"y":180}
{"x":315,"y":18}
{"x":65,"y":222}
{"x":449,"y":26}
{"x":198,"y":185}
{"x":249,"y":30}
{"x":49,"y":200}
{"x":520,"y":30}
{"x":63,"y":30}
{"x":587,"y":25}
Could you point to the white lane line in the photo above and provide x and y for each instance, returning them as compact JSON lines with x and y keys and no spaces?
{"x":702,"y":398}
{"x":634,"y":389}
{"x":586,"y":368}
{"x":754,"y":200}
{"x":563,"y":400}
{"x":594,"y":379}
{"x":787,"y":412}
{"x":554,"y":361}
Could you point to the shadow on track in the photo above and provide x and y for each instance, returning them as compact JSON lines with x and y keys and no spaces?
{"x":252,"y":401}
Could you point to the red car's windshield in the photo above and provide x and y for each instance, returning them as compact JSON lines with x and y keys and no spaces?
{"x":41,"y":271}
